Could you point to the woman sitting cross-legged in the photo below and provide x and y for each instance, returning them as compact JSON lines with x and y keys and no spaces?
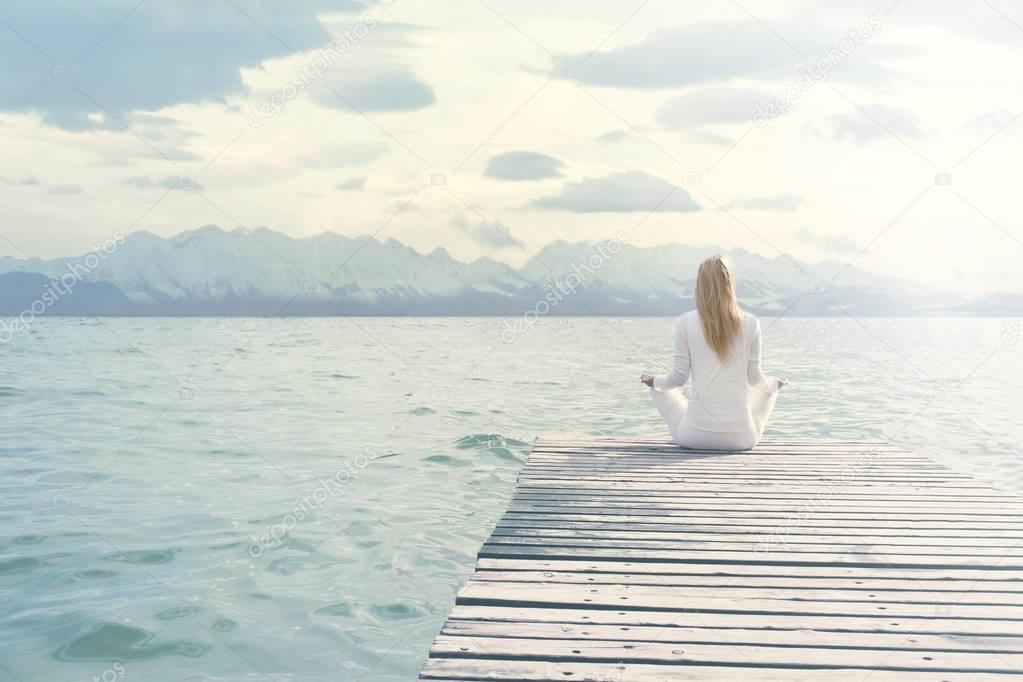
{"x":718,"y":347}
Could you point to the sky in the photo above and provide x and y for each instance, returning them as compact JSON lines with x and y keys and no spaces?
{"x":879,"y":133}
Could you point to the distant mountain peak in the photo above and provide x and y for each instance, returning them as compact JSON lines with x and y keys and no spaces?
{"x":212,"y":271}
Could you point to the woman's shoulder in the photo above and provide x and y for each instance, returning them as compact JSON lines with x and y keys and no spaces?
{"x":685,"y":319}
{"x":750,"y":322}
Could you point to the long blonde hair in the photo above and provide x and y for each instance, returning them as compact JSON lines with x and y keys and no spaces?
{"x":717,"y":306}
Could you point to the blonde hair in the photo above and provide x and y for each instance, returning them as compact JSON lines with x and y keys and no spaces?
{"x":717,"y":306}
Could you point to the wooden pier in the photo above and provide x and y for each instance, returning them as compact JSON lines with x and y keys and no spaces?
{"x":635,"y":561}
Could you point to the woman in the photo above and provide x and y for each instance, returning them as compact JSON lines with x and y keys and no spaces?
{"x":718,"y":346}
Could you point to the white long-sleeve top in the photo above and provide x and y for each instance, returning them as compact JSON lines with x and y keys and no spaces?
{"x":720,"y":395}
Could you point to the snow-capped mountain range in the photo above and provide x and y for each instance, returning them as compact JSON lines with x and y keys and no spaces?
{"x":264,"y":272}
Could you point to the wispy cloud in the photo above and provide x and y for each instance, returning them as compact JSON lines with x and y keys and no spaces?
{"x":702,"y":52}
{"x":352,"y":184}
{"x":340,"y":155}
{"x":185,"y":183}
{"x":64,"y":190}
{"x":710,"y":105}
{"x":613,"y":136}
{"x":522,"y":165}
{"x":780,"y":202}
{"x":146,"y":40}
{"x":875,"y":122}
{"x":493,"y":234}
{"x":838,"y":244}
{"x":620,"y":193}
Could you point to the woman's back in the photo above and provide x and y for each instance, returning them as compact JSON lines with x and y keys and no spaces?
{"x":718,"y":347}
{"x":719,"y":400}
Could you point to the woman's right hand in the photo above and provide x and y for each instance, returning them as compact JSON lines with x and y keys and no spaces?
{"x":647,"y":379}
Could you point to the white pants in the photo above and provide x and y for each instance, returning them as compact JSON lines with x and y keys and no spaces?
{"x":673,"y":406}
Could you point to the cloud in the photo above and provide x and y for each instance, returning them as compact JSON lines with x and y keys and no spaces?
{"x":163,"y":131}
{"x":620,"y":193}
{"x":704,"y":52}
{"x":780,"y":202}
{"x":56,"y":190}
{"x":997,"y":23}
{"x":874,"y":123}
{"x":395,"y":90}
{"x":64,"y":190}
{"x":140,"y":181}
{"x":379,"y":74}
{"x":721,"y":52}
{"x":613,"y":136}
{"x":338,"y":155}
{"x":992,"y":121}
{"x":518,"y":166}
{"x":492,"y":234}
{"x":840,"y":244}
{"x":704,"y":137}
{"x":711,"y":105}
{"x":184,"y":182}
{"x":89,"y":64}
{"x":352,"y":184}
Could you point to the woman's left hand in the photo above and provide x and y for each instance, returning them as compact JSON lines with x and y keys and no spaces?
{"x":647,"y":379}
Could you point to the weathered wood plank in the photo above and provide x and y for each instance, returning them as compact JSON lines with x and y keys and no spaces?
{"x":669,"y":620}
{"x":878,"y":495}
{"x":737,"y":484}
{"x":715,"y":537}
{"x":695,"y":635}
{"x":908,"y":588}
{"x":747,"y":471}
{"x":807,"y":520}
{"x":471,"y":670}
{"x":852,"y":573}
{"x":775,"y":479}
{"x":650,"y":598}
{"x":808,"y":527}
{"x":866,"y":558}
{"x":723,"y":652}
{"x":795,"y":512}
{"x":998,"y":509}
{"x":634,"y":560}
{"x":783,"y":457}
{"x":737,"y":589}
{"x":794,"y":446}
{"x":764,"y":547}
{"x":785,"y":480}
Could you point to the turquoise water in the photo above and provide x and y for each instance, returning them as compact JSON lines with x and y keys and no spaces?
{"x":236,"y":499}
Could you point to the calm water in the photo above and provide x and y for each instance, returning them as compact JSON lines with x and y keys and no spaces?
{"x":224,"y":499}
